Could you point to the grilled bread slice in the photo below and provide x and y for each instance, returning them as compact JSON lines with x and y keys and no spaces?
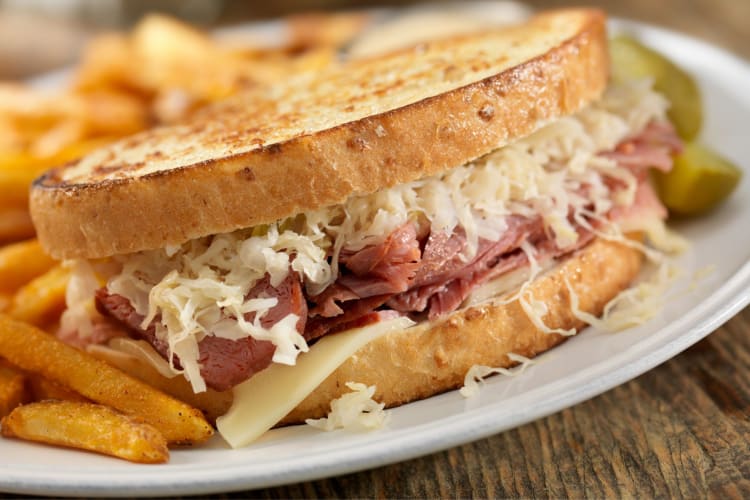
{"x":317,"y":139}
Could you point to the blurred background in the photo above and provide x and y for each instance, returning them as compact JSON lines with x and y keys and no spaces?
{"x":36,"y":35}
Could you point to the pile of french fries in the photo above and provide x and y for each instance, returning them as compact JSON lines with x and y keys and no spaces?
{"x":161,"y":72}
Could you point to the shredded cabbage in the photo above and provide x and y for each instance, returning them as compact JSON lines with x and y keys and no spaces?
{"x":354,"y":410}
{"x":477,"y":373}
{"x":79,"y":299}
{"x":633,"y":306}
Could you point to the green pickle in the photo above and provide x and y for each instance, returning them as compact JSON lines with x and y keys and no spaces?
{"x":631,"y":59}
{"x":699,"y":180}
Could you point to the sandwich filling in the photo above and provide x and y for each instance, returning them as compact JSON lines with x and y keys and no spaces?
{"x":223,"y":307}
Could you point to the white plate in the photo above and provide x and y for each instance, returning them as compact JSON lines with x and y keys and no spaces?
{"x":585,"y":366}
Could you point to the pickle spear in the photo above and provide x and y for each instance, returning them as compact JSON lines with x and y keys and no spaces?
{"x":699,"y":180}
{"x":632,"y":60}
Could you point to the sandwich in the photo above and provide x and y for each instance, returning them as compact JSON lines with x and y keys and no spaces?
{"x":462,"y":202}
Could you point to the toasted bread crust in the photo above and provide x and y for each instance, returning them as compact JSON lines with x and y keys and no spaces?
{"x":116,"y":211}
{"x":432,"y":358}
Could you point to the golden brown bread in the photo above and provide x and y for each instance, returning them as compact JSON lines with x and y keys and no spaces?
{"x":432,"y":358}
{"x":314,"y":142}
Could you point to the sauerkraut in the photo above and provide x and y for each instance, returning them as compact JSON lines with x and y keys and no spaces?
{"x":477,"y":373}
{"x":355,"y":410}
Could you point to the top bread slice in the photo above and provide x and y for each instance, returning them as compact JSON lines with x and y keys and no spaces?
{"x":317,"y":139}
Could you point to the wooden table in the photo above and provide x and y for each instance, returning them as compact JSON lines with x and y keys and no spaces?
{"x":682,"y":429}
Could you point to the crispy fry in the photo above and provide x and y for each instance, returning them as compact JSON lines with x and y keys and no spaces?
{"x":212,"y":403}
{"x":19,"y":169}
{"x":41,"y":122}
{"x":20,"y":263}
{"x":41,"y":389}
{"x":5,"y":300}
{"x":166,"y":39}
{"x":172,"y":54}
{"x":19,"y":100}
{"x":42,"y":300}
{"x":55,"y":139}
{"x":11,"y":139}
{"x":106,"y":63}
{"x":87,"y":426}
{"x":108,"y":115}
{"x":32,"y":108}
{"x":16,"y":173}
{"x":12,"y":388}
{"x":15,"y":225}
{"x":38,"y":352}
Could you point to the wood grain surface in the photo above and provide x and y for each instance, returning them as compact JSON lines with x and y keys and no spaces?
{"x":680,"y":430}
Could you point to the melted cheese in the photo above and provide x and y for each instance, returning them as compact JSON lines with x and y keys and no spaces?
{"x":263,"y":400}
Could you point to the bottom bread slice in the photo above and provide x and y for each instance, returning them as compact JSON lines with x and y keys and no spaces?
{"x":433,"y":357}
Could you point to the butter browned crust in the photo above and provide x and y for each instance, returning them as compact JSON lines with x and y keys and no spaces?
{"x":431,"y":358}
{"x":313,"y":142}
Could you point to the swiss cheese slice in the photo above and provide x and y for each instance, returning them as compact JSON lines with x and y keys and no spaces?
{"x":263,"y":400}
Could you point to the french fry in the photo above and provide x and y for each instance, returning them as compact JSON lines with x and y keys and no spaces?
{"x":42,"y":125}
{"x":11,"y":139}
{"x":163,"y":38}
{"x":15,"y":225}
{"x":20,"y":263}
{"x":59,"y":136}
{"x":32,"y":105}
{"x":12,"y":388}
{"x":171,"y":54}
{"x":42,"y":300}
{"x":87,"y":426}
{"x":19,"y":169}
{"x":38,"y":352}
{"x":108,"y":114}
{"x":5,"y":301}
{"x":37,"y":388}
{"x":40,"y":122}
{"x":212,"y":403}
{"x":42,"y":389}
{"x":106,"y":63}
